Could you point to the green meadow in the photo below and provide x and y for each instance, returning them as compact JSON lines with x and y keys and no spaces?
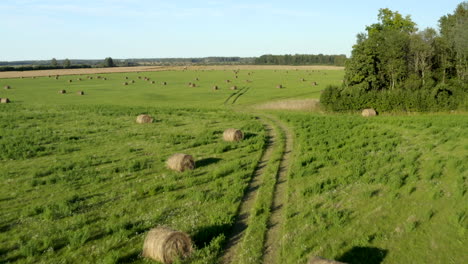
{"x":82,"y":182}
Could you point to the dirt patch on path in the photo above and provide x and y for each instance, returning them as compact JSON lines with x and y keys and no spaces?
{"x":248,"y":200}
{"x":291,"y":104}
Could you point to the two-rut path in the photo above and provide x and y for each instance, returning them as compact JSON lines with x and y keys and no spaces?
{"x":273,"y":233}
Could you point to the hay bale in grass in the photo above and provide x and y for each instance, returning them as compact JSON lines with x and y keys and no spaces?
{"x":319,"y":260}
{"x":234,"y":87}
{"x":236,"y":76}
{"x":193,"y":85}
{"x":139,"y":77}
{"x":302,"y":80}
{"x":62,"y":92}
{"x":166,"y":245}
{"x":80,"y":93}
{"x":105,"y":79}
{"x":4,"y":100}
{"x":125,"y":83}
{"x":7,"y":87}
{"x":228,"y":81}
{"x":215,"y":87}
{"x":79,"y":79}
{"x":279,"y":86}
{"x":143,"y":119}
{"x":153,"y":82}
{"x":233,"y":134}
{"x":70,"y":81}
{"x":126,"y":77}
{"x":368,"y":112}
{"x":133,"y":81}
{"x":314,"y":83}
{"x":180,"y":162}
{"x":164,"y":83}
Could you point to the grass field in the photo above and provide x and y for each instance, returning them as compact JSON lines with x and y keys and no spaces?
{"x":81,"y":182}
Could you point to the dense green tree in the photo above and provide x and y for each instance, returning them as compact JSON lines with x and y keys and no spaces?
{"x":66,"y":64}
{"x":54,"y":62}
{"x":108,"y":62}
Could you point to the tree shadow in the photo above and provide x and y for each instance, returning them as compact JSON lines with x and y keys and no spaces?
{"x":368,"y":255}
{"x":204,"y":236}
{"x":206,"y":162}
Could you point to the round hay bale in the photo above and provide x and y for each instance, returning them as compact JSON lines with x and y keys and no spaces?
{"x":139,"y":77}
{"x":320,"y":260}
{"x":233,"y":134}
{"x":4,"y":100}
{"x":105,"y":79}
{"x":228,"y":81}
{"x":70,"y":81}
{"x":164,"y":83}
{"x":302,"y":80}
{"x":62,"y":92}
{"x":193,"y":85}
{"x":153,"y":82}
{"x":196,"y":79}
{"x":126,"y":77}
{"x":143,"y":119}
{"x":234,"y":87}
{"x":166,"y":245}
{"x":279,"y":86}
{"x":79,"y":79}
{"x":368,"y":112}
{"x":236,"y":76}
{"x":125,"y":83}
{"x":80,"y":93}
{"x":314,"y":83}
{"x":215,"y":87}
{"x":180,"y":162}
{"x":7,"y":87}
{"x":133,"y":81}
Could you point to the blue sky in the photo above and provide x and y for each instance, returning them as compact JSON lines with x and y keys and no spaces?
{"x":95,"y":29}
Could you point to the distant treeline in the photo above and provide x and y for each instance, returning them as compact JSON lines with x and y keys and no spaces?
{"x":301,"y":59}
{"x":41,"y":67}
{"x":185,"y":61}
{"x":396,"y":67}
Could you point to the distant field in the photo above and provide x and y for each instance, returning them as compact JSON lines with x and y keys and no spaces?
{"x":81,"y":182}
{"x":18,"y":74}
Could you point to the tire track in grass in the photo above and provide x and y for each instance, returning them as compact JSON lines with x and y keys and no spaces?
{"x":275,"y":221}
{"x":248,"y":201}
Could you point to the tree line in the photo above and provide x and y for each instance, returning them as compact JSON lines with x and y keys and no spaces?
{"x":301,"y":59}
{"x":396,"y":67}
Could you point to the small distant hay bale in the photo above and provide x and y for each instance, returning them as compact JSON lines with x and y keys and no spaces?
{"x":228,"y":81}
{"x":302,"y":80}
{"x":368,"y":112}
{"x":50,"y":76}
{"x":215,"y":87}
{"x":166,"y":245}
{"x":233,"y":135}
{"x":126,"y":77}
{"x":144,"y":119}
{"x":99,"y":77}
{"x":234,"y":87}
{"x":62,"y":92}
{"x":70,"y":81}
{"x":133,"y":81}
{"x":91,"y":77}
{"x":153,"y":82}
{"x":79,"y":79}
{"x":314,"y":83}
{"x":105,"y":79}
{"x":164,"y":83}
{"x":320,"y":260}
{"x":236,"y":76}
{"x":56,"y":77}
{"x":180,"y":162}
{"x":279,"y":86}
{"x":4,"y":100}
{"x":80,"y":93}
{"x":190,"y":84}
{"x":139,"y":77}
{"x":193,"y":85}
{"x":125,"y":83}
{"x":196,"y":79}
{"x":7,"y":87}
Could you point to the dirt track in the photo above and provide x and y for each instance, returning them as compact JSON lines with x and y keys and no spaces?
{"x":17,"y":74}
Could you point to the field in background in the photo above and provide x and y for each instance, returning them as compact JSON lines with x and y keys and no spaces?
{"x":80,"y":181}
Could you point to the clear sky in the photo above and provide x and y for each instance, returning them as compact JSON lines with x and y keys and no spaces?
{"x":95,"y":29}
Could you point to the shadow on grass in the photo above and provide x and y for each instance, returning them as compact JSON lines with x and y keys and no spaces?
{"x":368,"y":255}
{"x":206,"y":162}
{"x":204,"y":236}
{"x":248,"y":135}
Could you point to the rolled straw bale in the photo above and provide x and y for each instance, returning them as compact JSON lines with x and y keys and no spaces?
{"x":62,"y":92}
{"x":233,"y":134}
{"x":319,"y":260}
{"x":133,"y":81}
{"x":152,"y":82}
{"x":314,"y":83}
{"x":126,"y":77}
{"x":215,"y":87}
{"x":125,"y":83}
{"x":228,"y":81}
{"x":368,"y":112}
{"x":180,"y":162}
{"x":80,"y":93}
{"x":279,"y":86}
{"x":166,"y":245}
{"x":164,"y":83}
{"x":70,"y":81}
{"x":4,"y":100}
{"x":7,"y":87}
{"x":234,"y":87}
{"x":143,"y":119}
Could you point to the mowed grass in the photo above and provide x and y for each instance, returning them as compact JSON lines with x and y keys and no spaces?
{"x":262,"y":88}
{"x":379,"y":190}
{"x":82,"y":184}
